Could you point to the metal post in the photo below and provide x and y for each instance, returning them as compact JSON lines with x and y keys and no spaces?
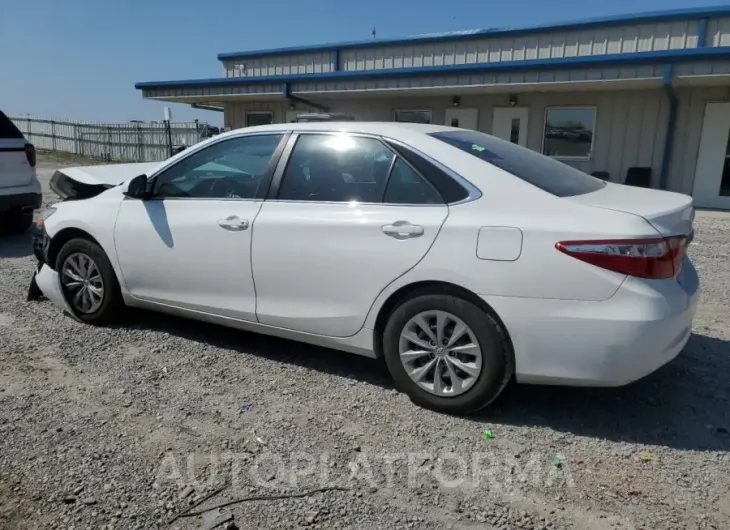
{"x":76,"y":139}
{"x":53,"y":135}
{"x":139,"y":144}
{"x":169,"y":137}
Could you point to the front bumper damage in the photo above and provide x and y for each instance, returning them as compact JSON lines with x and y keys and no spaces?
{"x":41,"y":242}
{"x":49,"y":283}
{"x":46,"y":282}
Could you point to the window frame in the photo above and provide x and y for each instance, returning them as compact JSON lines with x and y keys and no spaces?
{"x":594,"y":108}
{"x":259,"y":113}
{"x":263,"y":189}
{"x":283,"y":163}
{"x":429,"y":111}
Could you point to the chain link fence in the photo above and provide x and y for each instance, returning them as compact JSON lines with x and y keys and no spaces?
{"x":124,"y":142}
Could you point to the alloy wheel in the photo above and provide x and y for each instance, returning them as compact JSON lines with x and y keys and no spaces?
{"x":440,"y":353}
{"x":82,"y":283}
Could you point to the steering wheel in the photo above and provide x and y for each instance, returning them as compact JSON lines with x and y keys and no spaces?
{"x":224,"y":187}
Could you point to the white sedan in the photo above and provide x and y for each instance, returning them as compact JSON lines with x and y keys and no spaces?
{"x":463,"y":260}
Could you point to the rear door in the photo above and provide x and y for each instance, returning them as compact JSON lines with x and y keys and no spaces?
{"x":15,"y":169}
{"x":344,"y":218}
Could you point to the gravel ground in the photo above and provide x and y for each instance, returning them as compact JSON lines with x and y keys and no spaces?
{"x":124,"y":427}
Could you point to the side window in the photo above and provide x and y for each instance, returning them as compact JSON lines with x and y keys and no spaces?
{"x":336,"y":168}
{"x":405,"y":186}
{"x":235,"y":169}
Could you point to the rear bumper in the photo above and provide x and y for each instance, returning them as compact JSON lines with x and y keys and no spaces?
{"x":31,"y":201}
{"x":610,"y":343}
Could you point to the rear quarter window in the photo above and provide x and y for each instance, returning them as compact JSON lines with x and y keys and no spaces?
{"x":543,"y":172}
{"x":8,"y":128}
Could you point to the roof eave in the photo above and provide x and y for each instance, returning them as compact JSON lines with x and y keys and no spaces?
{"x":592,"y":61}
{"x":637,"y":18}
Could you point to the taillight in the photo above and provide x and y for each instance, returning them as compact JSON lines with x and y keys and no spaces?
{"x":30,"y":154}
{"x":653,"y":258}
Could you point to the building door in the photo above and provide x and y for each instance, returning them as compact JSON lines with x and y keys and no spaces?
{"x":464,"y":118}
{"x":712,"y":175}
{"x":510,"y":123}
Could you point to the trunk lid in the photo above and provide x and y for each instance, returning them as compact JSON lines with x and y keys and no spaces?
{"x":15,"y":169}
{"x":88,"y":181}
{"x":671,"y":214}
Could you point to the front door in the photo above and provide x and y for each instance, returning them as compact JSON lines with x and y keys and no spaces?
{"x":188,"y":245}
{"x":510,"y":123}
{"x":464,"y":118}
{"x":346,"y":219}
{"x":712,"y":174}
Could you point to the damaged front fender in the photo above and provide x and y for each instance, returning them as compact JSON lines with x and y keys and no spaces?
{"x":89,"y":181}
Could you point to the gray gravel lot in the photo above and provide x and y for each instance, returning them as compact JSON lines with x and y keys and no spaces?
{"x":124,"y":427}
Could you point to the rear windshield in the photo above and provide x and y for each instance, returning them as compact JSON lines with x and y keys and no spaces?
{"x":544,"y":172}
{"x":8,"y":128}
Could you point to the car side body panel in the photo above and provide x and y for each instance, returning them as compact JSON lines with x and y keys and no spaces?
{"x":96,"y":216}
{"x":319,"y":266}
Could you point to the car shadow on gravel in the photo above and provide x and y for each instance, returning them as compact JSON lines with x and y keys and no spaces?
{"x":684,"y":405}
{"x":325,"y":360}
{"x":16,"y":245}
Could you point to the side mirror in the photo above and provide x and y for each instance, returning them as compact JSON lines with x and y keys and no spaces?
{"x":137,"y":187}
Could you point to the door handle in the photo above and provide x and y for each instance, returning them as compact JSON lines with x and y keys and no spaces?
{"x":233,"y":223}
{"x":402,"y":230}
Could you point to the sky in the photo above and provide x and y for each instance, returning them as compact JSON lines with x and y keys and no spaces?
{"x":80,"y":59}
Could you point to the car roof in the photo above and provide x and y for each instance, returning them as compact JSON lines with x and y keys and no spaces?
{"x":385,"y":128}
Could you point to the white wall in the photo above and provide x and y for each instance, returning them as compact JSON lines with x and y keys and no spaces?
{"x":630,"y":125}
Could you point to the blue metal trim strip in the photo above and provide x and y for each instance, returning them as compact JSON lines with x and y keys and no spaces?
{"x":654,"y":16}
{"x":667,"y":77}
{"x":702,"y":32}
{"x":665,"y":56}
{"x":671,"y":127}
{"x":335,"y":60}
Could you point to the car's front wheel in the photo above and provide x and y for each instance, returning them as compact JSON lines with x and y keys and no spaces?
{"x":446,"y":353}
{"x":89,"y":282}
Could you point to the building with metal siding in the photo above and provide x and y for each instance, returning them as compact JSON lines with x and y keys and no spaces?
{"x":608,"y":95}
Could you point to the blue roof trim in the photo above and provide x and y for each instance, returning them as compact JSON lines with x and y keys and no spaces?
{"x":617,"y":59}
{"x":702,"y":32}
{"x":637,"y":18}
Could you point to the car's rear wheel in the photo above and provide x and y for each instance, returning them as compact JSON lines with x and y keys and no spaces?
{"x":89,"y":282}
{"x":446,"y":353}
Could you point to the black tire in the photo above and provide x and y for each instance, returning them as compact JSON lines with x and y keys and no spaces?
{"x":112,"y":302}
{"x":15,"y":221}
{"x":497,"y":355}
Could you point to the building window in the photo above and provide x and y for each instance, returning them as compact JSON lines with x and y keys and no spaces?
{"x":259,"y":118}
{"x":569,"y":132}
{"x":413,"y":116}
